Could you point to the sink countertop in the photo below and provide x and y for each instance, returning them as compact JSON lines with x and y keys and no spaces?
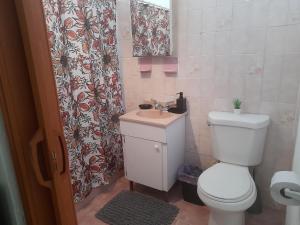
{"x":162,"y":122}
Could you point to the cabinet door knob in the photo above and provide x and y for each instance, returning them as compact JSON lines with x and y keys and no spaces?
{"x":156,"y":148}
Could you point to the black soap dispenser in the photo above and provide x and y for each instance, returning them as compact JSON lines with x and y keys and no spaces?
{"x":181,"y":103}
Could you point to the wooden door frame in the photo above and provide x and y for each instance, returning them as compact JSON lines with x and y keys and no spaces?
{"x":31,"y":96}
{"x":35,"y":39}
{"x":20,"y":117}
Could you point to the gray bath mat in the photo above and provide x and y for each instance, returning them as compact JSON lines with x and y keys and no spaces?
{"x":132,"y":208}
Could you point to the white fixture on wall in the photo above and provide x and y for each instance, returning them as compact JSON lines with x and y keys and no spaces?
{"x":290,"y":196}
{"x":228,"y":188}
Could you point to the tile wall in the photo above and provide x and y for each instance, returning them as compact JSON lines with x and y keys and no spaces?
{"x":248,"y":49}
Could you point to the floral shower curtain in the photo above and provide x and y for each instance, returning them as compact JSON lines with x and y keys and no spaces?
{"x":82,"y":39}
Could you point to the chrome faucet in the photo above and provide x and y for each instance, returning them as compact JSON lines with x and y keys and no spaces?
{"x":160,"y":107}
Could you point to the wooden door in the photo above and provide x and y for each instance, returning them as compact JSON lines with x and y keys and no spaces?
{"x":17,"y":107}
{"x":143,"y":162}
{"x":48,"y":153}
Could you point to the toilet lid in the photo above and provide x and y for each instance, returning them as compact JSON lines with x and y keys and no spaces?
{"x":226,"y":182}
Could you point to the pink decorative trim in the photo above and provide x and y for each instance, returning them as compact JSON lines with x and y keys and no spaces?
{"x":170,"y":65}
{"x":145,"y":64}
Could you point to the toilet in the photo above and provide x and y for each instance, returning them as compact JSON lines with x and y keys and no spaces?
{"x":227,"y":187}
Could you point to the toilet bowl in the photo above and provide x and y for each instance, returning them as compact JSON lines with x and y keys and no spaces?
{"x":228,"y":190}
{"x":227,"y":187}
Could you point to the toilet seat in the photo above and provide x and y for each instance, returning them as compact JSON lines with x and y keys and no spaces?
{"x":226,"y":183}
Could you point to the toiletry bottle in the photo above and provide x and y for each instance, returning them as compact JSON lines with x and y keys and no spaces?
{"x":181,"y":103}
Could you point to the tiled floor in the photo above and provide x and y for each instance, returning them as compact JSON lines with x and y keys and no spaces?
{"x":189,"y":214}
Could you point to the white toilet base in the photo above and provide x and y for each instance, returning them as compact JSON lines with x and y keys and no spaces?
{"x":218,"y":217}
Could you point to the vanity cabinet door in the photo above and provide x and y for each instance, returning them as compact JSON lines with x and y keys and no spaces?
{"x":143,"y":162}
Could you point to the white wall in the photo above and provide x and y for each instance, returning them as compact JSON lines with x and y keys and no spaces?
{"x":163,"y":3}
{"x":228,"y":49}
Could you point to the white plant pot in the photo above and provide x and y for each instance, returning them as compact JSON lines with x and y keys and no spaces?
{"x":237,"y":111}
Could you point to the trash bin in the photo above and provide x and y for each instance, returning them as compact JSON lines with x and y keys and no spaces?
{"x":188,"y":175}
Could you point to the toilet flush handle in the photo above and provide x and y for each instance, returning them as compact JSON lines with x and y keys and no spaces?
{"x":209,"y":124}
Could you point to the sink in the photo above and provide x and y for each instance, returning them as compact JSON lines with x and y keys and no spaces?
{"x":154,"y":114}
{"x":152,"y":117}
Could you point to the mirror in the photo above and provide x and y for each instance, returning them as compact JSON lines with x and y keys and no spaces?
{"x":151,"y":25}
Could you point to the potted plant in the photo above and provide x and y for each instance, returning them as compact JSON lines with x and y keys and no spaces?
{"x":237,"y":106}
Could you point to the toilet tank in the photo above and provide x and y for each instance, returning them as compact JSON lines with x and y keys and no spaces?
{"x":238,"y":138}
